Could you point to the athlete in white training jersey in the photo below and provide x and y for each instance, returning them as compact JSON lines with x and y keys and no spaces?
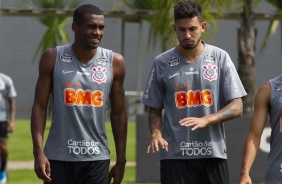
{"x":81,"y":78}
{"x":198,"y":87}
{"x":268,"y":102}
{"x":8,"y":96}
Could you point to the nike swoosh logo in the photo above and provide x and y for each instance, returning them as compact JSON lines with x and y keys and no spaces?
{"x":170,"y":76}
{"x":66,"y":72}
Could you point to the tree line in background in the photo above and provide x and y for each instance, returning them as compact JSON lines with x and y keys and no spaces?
{"x":162,"y":32}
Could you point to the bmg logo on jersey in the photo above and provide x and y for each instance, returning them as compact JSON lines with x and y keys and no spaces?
{"x":193,"y":98}
{"x":81,"y":97}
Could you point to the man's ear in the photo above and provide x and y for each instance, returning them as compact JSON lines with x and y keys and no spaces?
{"x":204,"y":25}
{"x":74,"y":26}
{"x":174,"y":27}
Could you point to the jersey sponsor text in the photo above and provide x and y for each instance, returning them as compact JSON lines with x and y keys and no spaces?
{"x":81,"y":97}
{"x":193,"y":98}
{"x":83,"y":147}
{"x":196,"y":148}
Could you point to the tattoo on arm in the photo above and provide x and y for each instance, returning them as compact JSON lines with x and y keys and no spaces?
{"x":232,"y":110}
{"x":155,"y":122}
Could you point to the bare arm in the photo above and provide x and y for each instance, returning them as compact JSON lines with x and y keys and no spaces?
{"x":155,"y":120}
{"x":233,"y":109}
{"x":12,"y":110}
{"x":261,"y":110}
{"x":39,"y":112}
{"x":118,"y":118}
{"x":155,"y":126}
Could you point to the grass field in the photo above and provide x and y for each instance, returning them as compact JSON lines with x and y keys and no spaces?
{"x":20,"y":148}
{"x":20,"y":144}
{"x":29,"y":177}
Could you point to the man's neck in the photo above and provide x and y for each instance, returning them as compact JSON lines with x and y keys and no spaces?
{"x":84,"y":56}
{"x":191,"y":55}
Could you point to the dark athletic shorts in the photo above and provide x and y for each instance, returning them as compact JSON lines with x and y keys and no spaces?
{"x":195,"y":171}
{"x":88,"y":172}
{"x":4,"y":129}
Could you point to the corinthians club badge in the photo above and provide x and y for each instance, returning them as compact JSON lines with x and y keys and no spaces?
{"x":210,"y":72}
{"x":99,"y":75}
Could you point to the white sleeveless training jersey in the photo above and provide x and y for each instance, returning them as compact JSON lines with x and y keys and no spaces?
{"x":80,"y":96}
{"x":274,"y":163}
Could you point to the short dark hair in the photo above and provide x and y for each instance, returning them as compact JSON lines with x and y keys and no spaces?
{"x":187,"y":9}
{"x":83,"y":9}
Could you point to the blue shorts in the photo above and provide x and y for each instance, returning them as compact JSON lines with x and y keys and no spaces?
{"x":88,"y":172}
{"x":195,"y":171}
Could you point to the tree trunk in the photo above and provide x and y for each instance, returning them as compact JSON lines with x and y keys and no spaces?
{"x":246,"y":51}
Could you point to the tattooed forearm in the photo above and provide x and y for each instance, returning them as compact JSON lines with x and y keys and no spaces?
{"x":155,"y":116}
{"x":232,"y":110}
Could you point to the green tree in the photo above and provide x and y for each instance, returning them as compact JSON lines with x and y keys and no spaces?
{"x":274,"y":23}
{"x":246,"y":54}
{"x":161,"y":23}
{"x":163,"y":20}
{"x":56,"y":33}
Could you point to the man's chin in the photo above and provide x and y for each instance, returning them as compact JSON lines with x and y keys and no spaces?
{"x":188,"y":47}
{"x":93,"y":47}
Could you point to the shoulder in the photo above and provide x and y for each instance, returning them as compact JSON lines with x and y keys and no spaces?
{"x":276,"y":83}
{"x":4,"y":76}
{"x":7,"y":79}
{"x":264,"y":92}
{"x":216,"y":51}
{"x":49,"y":54}
{"x":118,"y":65}
{"x":167,"y":54}
{"x":214,"y":48}
{"x":118,"y":58}
{"x":219,"y":55}
{"x":277,"y":79}
{"x":48,"y":59}
{"x":265,"y":87}
{"x":166,"y":58}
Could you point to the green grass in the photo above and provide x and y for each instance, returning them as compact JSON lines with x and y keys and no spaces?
{"x":20,"y":143}
{"x":20,"y":148}
{"x":23,"y":177}
{"x":29,"y":176}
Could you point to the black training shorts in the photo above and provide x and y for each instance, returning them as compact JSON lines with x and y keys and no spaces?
{"x":88,"y":172}
{"x":195,"y":171}
{"x":4,"y":129}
